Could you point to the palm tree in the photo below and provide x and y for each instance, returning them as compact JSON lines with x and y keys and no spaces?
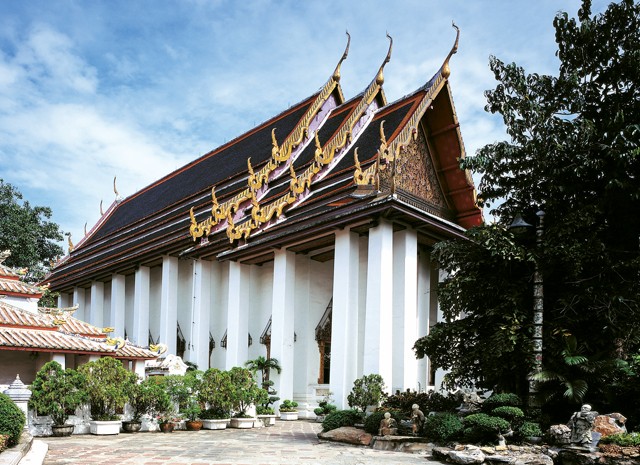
{"x":264,"y":366}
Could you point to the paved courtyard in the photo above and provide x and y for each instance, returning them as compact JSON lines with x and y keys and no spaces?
{"x":285,"y":443}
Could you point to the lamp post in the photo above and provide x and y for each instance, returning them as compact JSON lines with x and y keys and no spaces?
{"x":517,"y":225}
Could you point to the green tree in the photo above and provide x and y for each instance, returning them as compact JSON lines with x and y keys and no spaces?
{"x":366,"y":391}
{"x":26,"y":231}
{"x":574,"y":151}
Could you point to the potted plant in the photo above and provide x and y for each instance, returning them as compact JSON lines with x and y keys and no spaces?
{"x":108,"y":385}
{"x":245,"y":392}
{"x":148,"y":397}
{"x":57,"y":392}
{"x":264,"y":411}
{"x":216,"y":392}
{"x":167,"y":421}
{"x":191,"y":414}
{"x":288,"y":410}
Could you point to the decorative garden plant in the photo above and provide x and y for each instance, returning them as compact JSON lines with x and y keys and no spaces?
{"x":57,"y":392}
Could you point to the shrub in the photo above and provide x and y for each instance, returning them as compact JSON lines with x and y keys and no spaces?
{"x":480,"y":427}
{"x":325,"y":408}
{"x":109,"y":386}
{"x":499,"y":400}
{"x":214,"y":414}
{"x":529,"y":429}
{"x":368,"y":390}
{"x":341,"y":418}
{"x":622,"y":439}
{"x":372,"y":422}
{"x":430,"y":401}
{"x":149,"y":397}
{"x":508,"y":413}
{"x":216,"y":391}
{"x":442,"y":427}
{"x":11,"y":420}
{"x":262,"y":410}
{"x":57,"y":392}
{"x":288,"y":406}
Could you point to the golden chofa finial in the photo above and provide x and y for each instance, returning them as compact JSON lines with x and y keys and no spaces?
{"x":446,"y":71}
{"x":101,"y":210}
{"x":85,"y":228}
{"x":336,"y":73}
{"x":69,"y":243}
{"x":387,"y":59}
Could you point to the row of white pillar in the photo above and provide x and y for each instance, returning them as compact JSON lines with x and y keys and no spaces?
{"x":397,"y":310}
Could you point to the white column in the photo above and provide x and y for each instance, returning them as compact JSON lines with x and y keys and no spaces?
{"x":64,"y":300}
{"x":139,"y":368}
{"x":344,"y":318}
{"x":424,"y":296}
{"x":405,"y":309}
{"x":140,"y":334}
{"x":237,"y":316}
{"x":378,"y":342}
{"x":200,"y":314}
{"x":282,"y":317}
{"x":79,"y":298}
{"x":169,"y":303}
{"x":436,"y":314}
{"x":96,"y":311}
{"x":118,"y":299}
{"x":60,"y":358}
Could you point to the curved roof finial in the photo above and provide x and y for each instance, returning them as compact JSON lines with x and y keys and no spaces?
{"x":85,"y":228}
{"x":115,"y":189}
{"x":101,"y":211}
{"x":69,"y":243}
{"x":387,"y":59}
{"x":336,"y":73}
{"x":446,"y":71}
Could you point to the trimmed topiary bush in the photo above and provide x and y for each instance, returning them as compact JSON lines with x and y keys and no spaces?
{"x":366,"y":391}
{"x":442,"y":427}
{"x":499,"y":400}
{"x":341,"y":418}
{"x":430,"y":401}
{"x":372,"y":422}
{"x":11,"y":420}
{"x":508,"y":413}
{"x":528,"y":429}
{"x":482,"y":428}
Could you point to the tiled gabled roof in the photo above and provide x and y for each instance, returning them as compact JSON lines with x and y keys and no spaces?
{"x":23,"y":330}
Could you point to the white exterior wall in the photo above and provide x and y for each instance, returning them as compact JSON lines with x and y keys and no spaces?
{"x":129,"y":291}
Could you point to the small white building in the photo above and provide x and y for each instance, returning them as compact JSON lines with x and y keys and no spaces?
{"x":307,"y":239}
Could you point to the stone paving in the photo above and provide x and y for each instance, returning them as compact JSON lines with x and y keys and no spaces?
{"x":286,"y":443}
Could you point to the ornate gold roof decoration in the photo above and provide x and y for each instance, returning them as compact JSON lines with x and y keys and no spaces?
{"x":280,"y":153}
{"x":323,"y":157}
{"x":115,"y":190}
{"x":85,"y":228}
{"x":387,"y":153}
{"x":368,"y":177}
{"x":59,"y":314}
{"x":69,"y":243}
{"x":446,"y":71}
{"x":108,"y":330}
{"x":101,"y":211}
{"x":117,"y":342}
{"x":159,"y":349}
{"x":4,"y":255}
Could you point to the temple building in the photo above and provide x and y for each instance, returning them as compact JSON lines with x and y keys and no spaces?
{"x":31,"y":336}
{"x":307,"y":239}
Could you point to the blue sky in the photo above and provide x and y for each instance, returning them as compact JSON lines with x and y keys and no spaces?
{"x":90,"y":90}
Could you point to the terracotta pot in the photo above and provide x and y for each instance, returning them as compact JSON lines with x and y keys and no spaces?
{"x":166,"y":427}
{"x":195,"y":425}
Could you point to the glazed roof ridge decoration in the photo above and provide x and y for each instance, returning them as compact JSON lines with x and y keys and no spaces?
{"x":323,"y":157}
{"x":280,"y":153}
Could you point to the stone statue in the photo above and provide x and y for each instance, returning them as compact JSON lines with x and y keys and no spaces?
{"x":388,"y":426}
{"x":417,"y":419}
{"x":581,"y":424}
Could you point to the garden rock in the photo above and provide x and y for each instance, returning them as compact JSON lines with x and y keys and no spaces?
{"x":533,"y":459}
{"x":560,"y":434}
{"x":612,"y":423}
{"x":347,"y":434}
{"x":469,"y":455}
